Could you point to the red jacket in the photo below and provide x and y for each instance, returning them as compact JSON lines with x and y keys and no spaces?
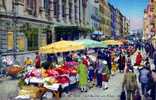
{"x":138,"y":59}
{"x":37,"y":60}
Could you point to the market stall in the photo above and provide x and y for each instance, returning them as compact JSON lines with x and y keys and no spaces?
{"x":91,"y":43}
{"x":61,"y":46}
{"x":113,"y":42}
{"x":54,"y":80}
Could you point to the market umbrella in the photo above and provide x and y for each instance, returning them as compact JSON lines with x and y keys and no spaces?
{"x":88,"y":43}
{"x":123,"y":41}
{"x":97,"y":33}
{"x":61,"y":46}
{"x":112,"y":42}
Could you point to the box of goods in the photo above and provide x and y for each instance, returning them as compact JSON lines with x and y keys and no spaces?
{"x":32,"y":91}
{"x":14,"y":70}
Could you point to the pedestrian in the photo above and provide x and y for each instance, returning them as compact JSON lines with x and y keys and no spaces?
{"x":91,"y":75}
{"x":109,"y":61}
{"x":154,"y":59}
{"x":128,"y":63}
{"x":151,"y":50}
{"x":106,"y":75}
{"x":121,"y":62}
{"x":86,"y":60}
{"x":130,"y":84}
{"x":147,"y":48}
{"x":99,"y":70}
{"x":82,"y":71}
{"x":37,"y":60}
{"x":144,"y":78}
{"x":138,"y":59}
{"x":28,"y":62}
{"x":114,"y":66}
{"x":153,"y":85}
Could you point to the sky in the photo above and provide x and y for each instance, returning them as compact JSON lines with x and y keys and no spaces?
{"x":133,"y":10}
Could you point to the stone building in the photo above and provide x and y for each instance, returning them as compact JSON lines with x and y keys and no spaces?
{"x":40,"y":21}
{"x":105,"y":13}
{"x":119,"y":23}
{"x":94,"y":14}
{"x":150,"y":20}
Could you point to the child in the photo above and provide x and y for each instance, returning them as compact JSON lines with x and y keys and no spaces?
{"x":91,"y":74}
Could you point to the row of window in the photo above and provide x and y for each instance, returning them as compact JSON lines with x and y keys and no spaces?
{"x":32,"y":8}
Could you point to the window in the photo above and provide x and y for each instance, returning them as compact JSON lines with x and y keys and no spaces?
{"x":56,"y":8}
{"x":31,"y":7}
{"x":32,"y":41}
{"x":70,"y":10}
{"x":46,"y":5}
{"x":64,"y":8}
{"x":75,"y":7}
{"x":30,"y":4}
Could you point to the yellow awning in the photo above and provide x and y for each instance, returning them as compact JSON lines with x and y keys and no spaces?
{"x":112,"y":42}
{"x":61,"y":46}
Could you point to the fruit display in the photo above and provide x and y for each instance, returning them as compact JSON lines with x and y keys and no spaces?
{"x":48,"y":77}
{"x":67,"y":70}
{"x":50,"y":80}
{"x":52,"y":72}
{"x":63,"y":79}
{"x":33,"y":73}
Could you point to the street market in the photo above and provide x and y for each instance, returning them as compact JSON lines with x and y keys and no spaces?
{"x":58,"y":77}
{"x":77,"y":50}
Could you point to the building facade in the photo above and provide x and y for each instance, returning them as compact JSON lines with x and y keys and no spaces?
{"x":113,"y":20}
{"x":105,"y":13}
{"x":119,"y":23}
{"x":150,"y":20}
{"x":94,"y":15}
{"x":126,"y":25}
{"x":40,"y":21}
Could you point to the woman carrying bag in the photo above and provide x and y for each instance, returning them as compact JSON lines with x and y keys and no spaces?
{"x":130,"y":84}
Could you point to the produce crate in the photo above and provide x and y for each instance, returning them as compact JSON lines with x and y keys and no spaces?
{"x":32,"y":91}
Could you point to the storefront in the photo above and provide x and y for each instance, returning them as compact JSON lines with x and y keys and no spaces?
{"x":71,"y":32}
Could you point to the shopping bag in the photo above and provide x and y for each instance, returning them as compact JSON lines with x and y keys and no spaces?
{"x":123,"y":95}
{"x":137,"y":96}
{"x":105,"y":77}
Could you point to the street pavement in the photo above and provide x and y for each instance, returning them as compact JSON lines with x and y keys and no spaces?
{"x":8,"y":89}
{"x":112,"y":93}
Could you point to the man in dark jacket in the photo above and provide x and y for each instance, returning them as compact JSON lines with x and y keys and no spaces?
{"x":154,"y":59}
{"x":144,"y":78}
{"x":153,"y":85}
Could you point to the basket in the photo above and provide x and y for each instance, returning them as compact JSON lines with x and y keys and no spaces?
{"x":32,"y":91}
{"x":13,"y":70}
